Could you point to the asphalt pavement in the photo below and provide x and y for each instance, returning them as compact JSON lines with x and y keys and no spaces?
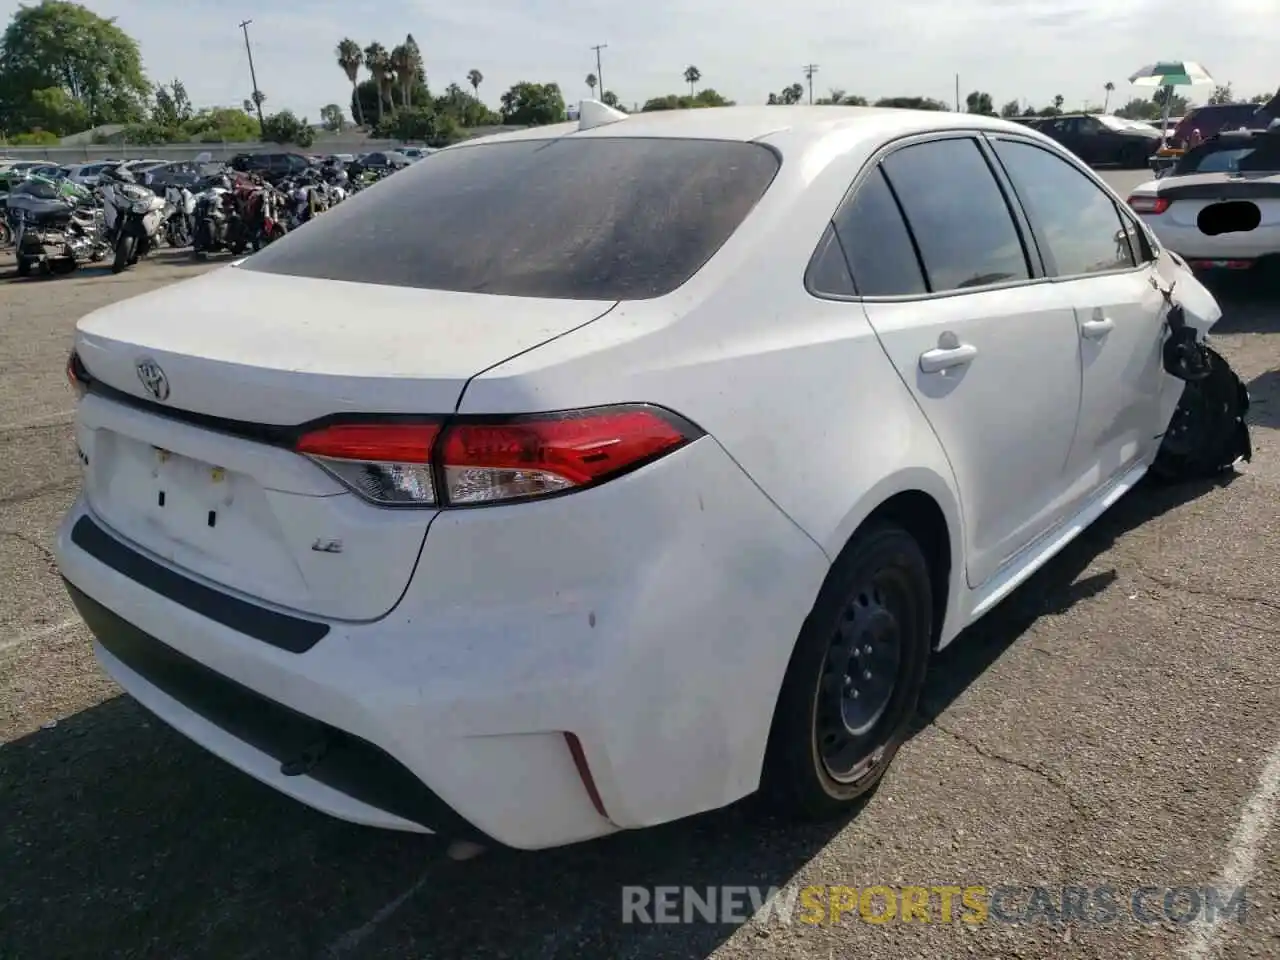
{"x":1115,"y":724}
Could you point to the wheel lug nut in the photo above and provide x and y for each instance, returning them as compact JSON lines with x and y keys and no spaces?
{"x":867,"y":648}
{"x":866,"y":674}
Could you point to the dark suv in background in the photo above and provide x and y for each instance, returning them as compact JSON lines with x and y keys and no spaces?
{"x":270,"y":165}
{"x":1103,"y":138}
{"x":1214,"y":119}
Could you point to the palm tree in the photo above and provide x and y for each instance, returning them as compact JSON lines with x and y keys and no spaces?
{"x":351,"y":59}
{"x":402,"y":74}
{"x":417,"y":71}
{"x":591,"y":82}
{"x":691,"y":76}
{"x":1110,"y":88}
{"x":475,"y":78}
{"x":378,"y":63}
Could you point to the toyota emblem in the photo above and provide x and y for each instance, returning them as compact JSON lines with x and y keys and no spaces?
{"x":153,"y":378}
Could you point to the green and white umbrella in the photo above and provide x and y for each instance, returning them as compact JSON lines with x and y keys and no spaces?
{"x":1171,"y":73}
{"x":1168,"y":74}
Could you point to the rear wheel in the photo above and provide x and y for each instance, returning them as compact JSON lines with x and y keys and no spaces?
{"x":855,"y":677}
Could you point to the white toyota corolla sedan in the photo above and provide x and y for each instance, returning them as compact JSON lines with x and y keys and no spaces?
{"x":596,"y":475}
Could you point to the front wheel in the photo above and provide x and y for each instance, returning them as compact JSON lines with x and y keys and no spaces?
{"x":6,"y":234}
{"x":124,"y":252}
{"x":854,"y":679}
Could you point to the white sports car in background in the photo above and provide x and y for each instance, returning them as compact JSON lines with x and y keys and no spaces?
{"x":596,"y":475}
{"x":1219,"y":207}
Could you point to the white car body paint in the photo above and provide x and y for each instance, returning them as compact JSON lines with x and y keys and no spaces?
{"x":652,"y":616}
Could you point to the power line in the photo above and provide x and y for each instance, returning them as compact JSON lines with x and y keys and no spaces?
{"x":257,"y":95}
{"x":599,"y":69}
{"x":809,"y":70}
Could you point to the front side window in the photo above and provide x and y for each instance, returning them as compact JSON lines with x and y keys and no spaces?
{"x":1073,"y":216}
{"x":957,"y":214}
{"x":602,"y":218}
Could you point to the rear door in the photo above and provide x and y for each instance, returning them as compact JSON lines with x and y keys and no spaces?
{"x":1089,"y":245}
{"x":990,"y":355}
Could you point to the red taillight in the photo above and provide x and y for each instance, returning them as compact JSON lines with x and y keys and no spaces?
{"x":483,"y":460}
{"x":1154,"y":205}
{"x":387,"y":463}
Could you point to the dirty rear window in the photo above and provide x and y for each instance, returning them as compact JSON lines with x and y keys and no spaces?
{"x":587,"y":219}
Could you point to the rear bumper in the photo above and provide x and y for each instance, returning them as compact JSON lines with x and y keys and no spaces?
{"x":1191,"y":244}
{"x":651,"y":618}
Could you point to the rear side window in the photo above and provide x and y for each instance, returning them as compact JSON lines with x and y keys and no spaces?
{"x":609,"y":218}
{"x":1076,"y":220}
{"x":957,"y":215}
{"x":875,"y":240}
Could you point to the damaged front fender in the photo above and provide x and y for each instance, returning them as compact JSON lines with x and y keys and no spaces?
{"x":1207,"y":433}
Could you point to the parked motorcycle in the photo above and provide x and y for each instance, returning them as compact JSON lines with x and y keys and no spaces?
{"x":132,"y":217}
{"x":217,"y":222}
{"x":51,"y":231}
{"x":259,"y":206}
{"x":180,"y":210}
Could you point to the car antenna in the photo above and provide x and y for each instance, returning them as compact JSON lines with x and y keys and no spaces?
{"x":594,"y":113}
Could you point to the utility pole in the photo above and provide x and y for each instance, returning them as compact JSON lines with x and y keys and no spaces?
{"x":809,"y":70}
{"x":257,"y":96}
{"x":599,"y":70}
{"x":957,"y":93}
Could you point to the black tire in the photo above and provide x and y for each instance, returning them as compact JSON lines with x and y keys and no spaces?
{"x":24,"y":267}
{"x":62,"y":267}
{"x":1207,"y":433}
{"x":124,"y":253}
{"x":6,"y":234}
{"x":879,"y":594}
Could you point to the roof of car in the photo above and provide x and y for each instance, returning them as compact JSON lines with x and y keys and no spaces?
{"x":757,"y":122}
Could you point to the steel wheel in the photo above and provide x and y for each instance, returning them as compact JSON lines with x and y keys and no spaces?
{"x":859,"y":676}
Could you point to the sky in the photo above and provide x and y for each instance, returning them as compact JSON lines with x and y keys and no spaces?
{"x":1013,"y":49}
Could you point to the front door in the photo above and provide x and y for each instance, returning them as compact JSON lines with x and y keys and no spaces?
{"x":1095,"y":249}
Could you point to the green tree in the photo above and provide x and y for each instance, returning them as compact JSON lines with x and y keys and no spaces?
{"x":913,"y":103}
{"x":691,"y":76}
{"x":65,"y":45}
{"x":53,"y":110}
{"x":979,"y":102}
{"x":1011,"y":109}
{"x":351,"y":59}
{"x":378,"y":62}
{"x":402,"y":71}
{"x":706,"y":97}
{"x":533,"y":104}
{"x":787,"y":96}
{"x":1109,"y":88}
{"x":592,"y":80}
{"x":610,"y":99}
{"x":1261,"y":97}
{"x":285,"y":127}
{"x":839,"y":98}
{"x":1178,"y":104}
{"x":1058,"y":101}
{"x":475,"y":78}
{"x":1222,"y":94}
{"x":332,"y":118}
{"x":222,"y":124}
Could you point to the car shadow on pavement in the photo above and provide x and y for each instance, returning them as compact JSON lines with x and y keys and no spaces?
{"x":1053,"y":589}
{"x":120,"y":838}
{"x":1250,"y":302}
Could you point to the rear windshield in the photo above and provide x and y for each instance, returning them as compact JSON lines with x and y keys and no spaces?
{"x":613,"y":218}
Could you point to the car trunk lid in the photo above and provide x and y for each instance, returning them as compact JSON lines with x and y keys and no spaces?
{"x":196,"y":469}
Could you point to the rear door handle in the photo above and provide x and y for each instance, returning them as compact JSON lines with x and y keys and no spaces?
{"x":1097,"y":328}
{"x":943,"y":358}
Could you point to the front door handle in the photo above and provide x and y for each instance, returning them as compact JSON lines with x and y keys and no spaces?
{"x":943,"y":358}
{"x":1097,"y":328}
